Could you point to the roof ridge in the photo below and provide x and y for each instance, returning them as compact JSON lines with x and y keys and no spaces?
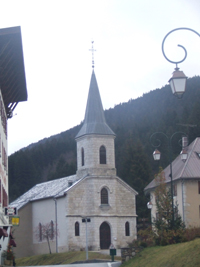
{"x":188,"y":158}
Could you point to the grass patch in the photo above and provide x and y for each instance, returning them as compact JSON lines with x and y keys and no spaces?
{"x":60,"y":258}
{"x":177,"y":255}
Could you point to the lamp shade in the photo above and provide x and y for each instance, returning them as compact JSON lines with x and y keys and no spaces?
{"x":149,"y":205}
{"x":178,"y":83}
{"x":156,"y":154}
{"x":183,"y":154}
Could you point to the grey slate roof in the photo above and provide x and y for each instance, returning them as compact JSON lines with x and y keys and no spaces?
{"x":190,"y":169}
{"x":55,"y":188}
{"x":94,"y":122}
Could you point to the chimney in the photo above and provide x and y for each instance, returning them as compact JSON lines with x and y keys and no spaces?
{"x":184,"y":142}
{"x":70,"y":183}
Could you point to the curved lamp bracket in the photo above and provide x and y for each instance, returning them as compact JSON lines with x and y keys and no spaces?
{"x":185,"y":51}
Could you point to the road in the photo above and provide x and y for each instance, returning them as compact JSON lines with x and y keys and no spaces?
{"x":107,"y":264}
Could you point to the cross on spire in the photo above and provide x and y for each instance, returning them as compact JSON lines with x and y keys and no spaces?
{"x":93,"y":50}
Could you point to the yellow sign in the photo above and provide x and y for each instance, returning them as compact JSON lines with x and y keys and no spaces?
{"x":15,"y":220}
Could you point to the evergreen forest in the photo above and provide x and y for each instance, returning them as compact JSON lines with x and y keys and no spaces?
{"x":133,"y":123}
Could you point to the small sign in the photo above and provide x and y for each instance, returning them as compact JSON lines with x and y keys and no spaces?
{"x":15,"y":221}
{"x":84,"y":220}
{"x":10,"y":211}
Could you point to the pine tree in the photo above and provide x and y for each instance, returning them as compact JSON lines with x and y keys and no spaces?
{"x":168,"y":223}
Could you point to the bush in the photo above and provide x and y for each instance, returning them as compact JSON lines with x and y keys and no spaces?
{"x":191,"y":233}
{"x":146,"y":237}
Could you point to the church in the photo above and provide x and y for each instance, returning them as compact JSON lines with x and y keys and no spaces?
{"x":94,"y":206}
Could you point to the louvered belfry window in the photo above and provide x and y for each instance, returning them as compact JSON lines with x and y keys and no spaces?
{"x":102,"y":155}
{"x":104,"y":196}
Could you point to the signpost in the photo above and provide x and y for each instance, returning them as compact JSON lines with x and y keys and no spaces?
{"x":86,"y":220}
{"x":10,"y":211}
{"x":15,"y":220}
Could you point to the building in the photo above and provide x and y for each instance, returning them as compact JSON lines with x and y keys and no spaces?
{"x":186,"y":185}
{"x":12,"y":91}
{"x":94,"y":192}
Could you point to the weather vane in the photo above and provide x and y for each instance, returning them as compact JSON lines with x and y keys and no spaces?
{"x":93,"y":50}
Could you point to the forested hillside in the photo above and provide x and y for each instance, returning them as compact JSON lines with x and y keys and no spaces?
{"x":133,"y":122}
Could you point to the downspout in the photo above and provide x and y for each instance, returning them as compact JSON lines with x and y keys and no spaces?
{"x":56,"y":224}
{"x":183,"y":207}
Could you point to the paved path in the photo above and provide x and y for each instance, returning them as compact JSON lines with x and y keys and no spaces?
{"x":106,"y":264}
{"x":107,"y":252}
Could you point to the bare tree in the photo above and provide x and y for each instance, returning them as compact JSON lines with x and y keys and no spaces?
{"x":47,"y":231}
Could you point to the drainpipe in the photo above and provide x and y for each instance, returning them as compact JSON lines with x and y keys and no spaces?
{"x":56,"y":224}
{"x":183,"y":208}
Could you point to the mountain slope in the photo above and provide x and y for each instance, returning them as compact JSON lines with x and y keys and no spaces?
{"x":133,"y":122}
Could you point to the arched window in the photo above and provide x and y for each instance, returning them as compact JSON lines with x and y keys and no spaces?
{"x":52,"y":230}
{"x":40,"y":232}
{"x":104,"y":196}
{"x":127,"y":229}
{"x":82,"y":157}
{"x":102,"y":155}
{"x":77,"y":232}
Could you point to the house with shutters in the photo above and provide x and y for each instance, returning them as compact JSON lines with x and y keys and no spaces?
{"x":186,"y":185}
{"x":94,"y":198}
{"x":12,"y":91}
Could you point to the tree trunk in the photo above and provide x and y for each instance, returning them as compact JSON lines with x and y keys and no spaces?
{"x":48,"y":244}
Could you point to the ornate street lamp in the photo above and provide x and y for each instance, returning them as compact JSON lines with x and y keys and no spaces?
{"x":149,"y":205}
{"x":157,"y":154}
{"x":178,"y":79}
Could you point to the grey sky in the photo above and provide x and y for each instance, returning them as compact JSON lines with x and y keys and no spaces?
{"x":127,"y":37}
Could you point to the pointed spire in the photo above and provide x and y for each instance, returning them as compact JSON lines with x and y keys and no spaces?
{"x":94,"y":122}
{"x":93,"y":50}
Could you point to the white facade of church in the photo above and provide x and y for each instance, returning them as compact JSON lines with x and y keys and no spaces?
{"x":94,"y":192}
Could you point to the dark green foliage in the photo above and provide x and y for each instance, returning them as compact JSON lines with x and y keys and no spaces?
{"x":168,"y":224}
{"x":133,"y":122}
{"x":136,"y":171}
{"x":62,"y":169}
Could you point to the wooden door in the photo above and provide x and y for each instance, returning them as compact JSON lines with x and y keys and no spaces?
{"x":105,"y":236}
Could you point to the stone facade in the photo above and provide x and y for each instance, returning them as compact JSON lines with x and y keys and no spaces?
{"x":84,"y":200}
{"x":95,"y":192}
{"x":91,"y":145}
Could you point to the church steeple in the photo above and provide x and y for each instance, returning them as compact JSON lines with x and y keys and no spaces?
{"x":95,"y":140}
{"x":94,"y":122}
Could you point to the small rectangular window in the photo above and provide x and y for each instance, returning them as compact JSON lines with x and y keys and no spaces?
{"x":175,"y":190}
{"x":77,"y":229}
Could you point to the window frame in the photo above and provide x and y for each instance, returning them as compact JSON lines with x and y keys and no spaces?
{"x":102,"y":155}
{"x":175,"y":189}
{"x":104,"y":196}
{"x":52,"y":230}
{"x":82,"y":157}
{"x":40,"y":232}
{"x":127,"y":228}
{"x":77,"y":228}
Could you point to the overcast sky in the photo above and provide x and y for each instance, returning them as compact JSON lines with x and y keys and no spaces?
{"x":129,"y":62}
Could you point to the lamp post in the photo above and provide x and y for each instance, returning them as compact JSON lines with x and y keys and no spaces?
{"x":157,"y":155}
{"x":178,"y":79}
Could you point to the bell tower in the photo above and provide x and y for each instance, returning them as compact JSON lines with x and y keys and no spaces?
{"x":95,"y":140}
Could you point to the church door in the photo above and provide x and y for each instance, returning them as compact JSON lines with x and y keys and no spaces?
{"x":105,"y":236}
